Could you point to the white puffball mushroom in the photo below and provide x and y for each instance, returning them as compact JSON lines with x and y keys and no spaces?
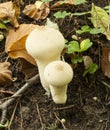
{"x":58,"y":74}
{"x":45,"y":45}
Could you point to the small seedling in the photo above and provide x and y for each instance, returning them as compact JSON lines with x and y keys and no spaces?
{"x":77,"y":2}
{"x":3,"y":24}
{"x":87,"y":29}
{"x":52,"y":127}
{"x":76,"y":48}
{"x":46,"y":0}
{"x":91,"y":69}
{"x":61,"y":15}
{"x":107,"y":9}
{"x":5,"y":125}
{"x":81,"y":13}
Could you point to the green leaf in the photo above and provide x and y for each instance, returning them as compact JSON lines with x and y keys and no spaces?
{"x":46,"y":0}
{"x":77,"y":2}
{"x":79,"y":31}
{"x":5,"y":125}
{"x":77,"y":59}
{"x":80,"y":13}
{"x":100,"y":19}
{"x":84,"y":29}
{"x":85,"y":44}
{"x":91,"y":70}
{"x":107,"y":9}
{"x":62,"y":15}
{"x":73,"y":47}
{"x":95,"y":31}
{"x":2,"y":26}
{"x":6,"y":21}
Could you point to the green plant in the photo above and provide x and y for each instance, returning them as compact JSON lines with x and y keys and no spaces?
{"x":100,"y":19}
{"x":74,"y":47}
{"x":107,"y":9}
{"x":91,"y":69}
{"x":5,"y":125}
{"x":81,"y":13}
{"x":52,"y":127}
{"x":77,"y":2}
{"x":87,"y":29}
{"x":60,"y":14}
{"x":46,"y":0}
{"x":3,"y":24}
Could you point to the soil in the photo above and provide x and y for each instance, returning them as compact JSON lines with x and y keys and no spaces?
{"x":88,"y":103}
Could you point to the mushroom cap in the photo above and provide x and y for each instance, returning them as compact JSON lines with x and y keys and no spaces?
{"x":44,"y":43}
{"x":58,"y":73}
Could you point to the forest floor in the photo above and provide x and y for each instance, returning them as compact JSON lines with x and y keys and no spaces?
{"x":88,"y":103}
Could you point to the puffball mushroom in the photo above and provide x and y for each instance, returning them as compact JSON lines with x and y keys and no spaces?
{"x":45,"y":45}
{"x":58,"y":74}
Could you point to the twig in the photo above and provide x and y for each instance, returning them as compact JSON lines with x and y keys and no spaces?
{"x":21,"y":115}
{"x":63,"y":108}
{"x":13,"y":115}
{"x":41,"y":121}
{"x":7,"y":92}
{"x":19,"y":93}
{"x":60,"y":121}
{"x":107,"y":85}
{"x":3,"y":119}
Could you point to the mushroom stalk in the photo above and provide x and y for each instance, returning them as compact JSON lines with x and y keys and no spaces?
{"x":41,"y":68}
{"x":58,"y":95}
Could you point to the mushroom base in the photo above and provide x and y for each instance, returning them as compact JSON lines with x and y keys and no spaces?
{"x":59,"y":94}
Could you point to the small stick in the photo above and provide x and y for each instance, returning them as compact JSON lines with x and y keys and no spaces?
{"x":60,"y":121}
{"x":19,"y":93}
{"x":7,"y":92}
{"x":107,"y":85}
{"x":63,"y":108}
{"x":12,"y":117}
{"x":41,"y":121}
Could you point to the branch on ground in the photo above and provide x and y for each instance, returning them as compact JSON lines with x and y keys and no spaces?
{"x":4,"y":106}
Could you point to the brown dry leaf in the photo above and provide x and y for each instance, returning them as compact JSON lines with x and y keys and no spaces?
{"x":16,"y":5}
{"x":87,"y":61}
{"x":28,"y":69}
{"x":37,"y":11}
{"x":7,"y":11}
{"x":62,"y":2}
{"x":5,"y":74}
{"x":106,"y":61}
{"x":15,"y":42}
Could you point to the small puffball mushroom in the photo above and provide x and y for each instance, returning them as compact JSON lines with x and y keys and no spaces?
{"x":45,"y":45}
{"x":58,"y":74}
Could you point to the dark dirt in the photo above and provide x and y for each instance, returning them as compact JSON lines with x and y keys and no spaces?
{"x":88,"y":104}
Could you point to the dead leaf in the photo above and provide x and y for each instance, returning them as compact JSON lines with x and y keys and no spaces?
{"x":5,"y":74}
{"x":87,"y":61}
{"x":37,"y":11}
{"x":62,"y":2}
{"x":105,"y":64}
{"x":16,"y":4}
{"x":28,"y":69}
{"x":7,"y":11}
{"x":15,"y":42}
